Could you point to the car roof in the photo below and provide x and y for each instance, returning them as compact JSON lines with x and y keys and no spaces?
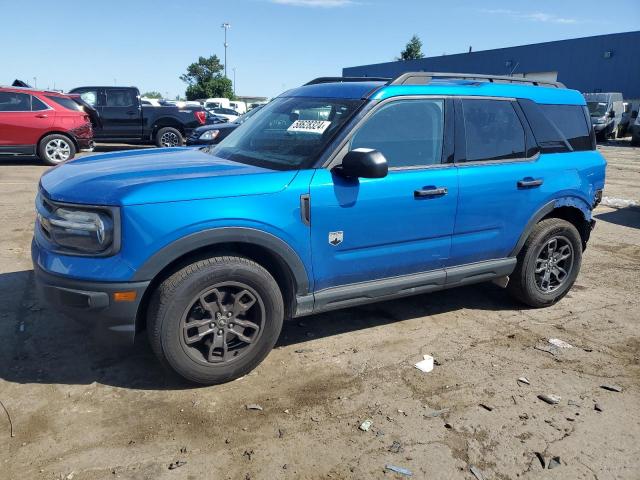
{"x":31,"y":90}
{"x":381,"y":90}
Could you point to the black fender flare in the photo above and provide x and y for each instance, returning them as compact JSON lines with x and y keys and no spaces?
{"x":539,"y":215}
{"x":215,"y":236}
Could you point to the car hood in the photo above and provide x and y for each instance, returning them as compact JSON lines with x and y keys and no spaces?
{"x":157,"y":175}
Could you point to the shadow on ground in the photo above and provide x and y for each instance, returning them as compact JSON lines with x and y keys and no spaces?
{"x":39,"y":345}
{"x":627,"y":217}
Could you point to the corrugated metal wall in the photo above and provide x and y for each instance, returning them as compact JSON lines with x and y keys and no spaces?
{"x":581,"y":63}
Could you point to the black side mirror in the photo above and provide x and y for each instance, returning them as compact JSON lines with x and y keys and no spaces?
{"x":363,"y":163}
{"x":612,"y":114}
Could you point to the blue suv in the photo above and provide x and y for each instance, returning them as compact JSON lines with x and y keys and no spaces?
{"x":341,"y":192}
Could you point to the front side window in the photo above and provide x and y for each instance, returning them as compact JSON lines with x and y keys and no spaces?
{"x":288,"y":134}
{"x":407,"y":132}
{"x":597,"y":109}
{"x":15,"y":102}
{"x":121,"y":98}
{"x":493,"y":130}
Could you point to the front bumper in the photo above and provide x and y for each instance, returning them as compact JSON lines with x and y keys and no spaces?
{"x":92,"y":303}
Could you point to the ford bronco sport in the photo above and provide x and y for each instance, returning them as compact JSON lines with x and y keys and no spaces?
{"x":341,"y":192}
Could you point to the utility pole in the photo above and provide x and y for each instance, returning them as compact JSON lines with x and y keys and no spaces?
{"x":35,"y":82}
{"x":226,"y":26}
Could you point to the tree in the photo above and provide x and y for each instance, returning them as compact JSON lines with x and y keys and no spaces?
{"x":413,"y":50}
{"x":152,"y":94}
{"x":206,"y":80}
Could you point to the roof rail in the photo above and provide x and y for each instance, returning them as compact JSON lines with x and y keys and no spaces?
{"x":318,"y":80}
{"x":423,"y":78}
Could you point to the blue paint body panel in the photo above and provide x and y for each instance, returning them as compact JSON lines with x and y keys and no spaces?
{"x":165,"y":195}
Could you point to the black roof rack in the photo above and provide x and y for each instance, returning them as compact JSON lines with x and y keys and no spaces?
{"x":423,"y":78}
{"x":318,"y":80}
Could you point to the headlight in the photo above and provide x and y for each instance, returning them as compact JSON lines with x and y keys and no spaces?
{"x":600,"y":121}
{"x":77,"y":230}
{"x":209,"y":135}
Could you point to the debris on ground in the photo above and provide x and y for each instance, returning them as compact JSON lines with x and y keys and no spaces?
{"x":253,"y":406}
{"x":366,"y":425}
{"x":315,"y":418}
{"x":556,"y":342}
{"x":303,"y":350}
{"x":486,"y":407}
{"x":476,"y":472}
{"x":612,"y":388}
{"x":177,"y":464}
{"x":248,"y":454}
{"x":436,"y":413}
{"x":395,"y":447}
{"x":614,"y":202}
{"x":574,"y":403}
{"x":425,"y":365}
{"x":598,"y":408}
{"x":8,"y":418}
{"x":541,"y":459}
{"x":554,"y":462}
{"x":549,"y":398}
{"x":547,"y":349}
{"x":524,"y":380}
{"x":281,"y":433}
{"x":401,"y":470}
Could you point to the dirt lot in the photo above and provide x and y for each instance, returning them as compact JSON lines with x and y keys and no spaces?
{"x":82,"y":411}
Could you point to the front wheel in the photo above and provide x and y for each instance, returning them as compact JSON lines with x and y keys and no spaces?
{"x":169,"y":137}
{"x":216,"y":319}
{"x":55,"y":149}
{"x":548,"y":263}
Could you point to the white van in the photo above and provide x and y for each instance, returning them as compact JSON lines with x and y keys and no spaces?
{"x":605,"y":110}
{"x":238,"y":106}
{"x":211,"y":103}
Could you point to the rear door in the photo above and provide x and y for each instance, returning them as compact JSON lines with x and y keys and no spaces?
{"x":502,"y":183}
{"x":369,"y":229}
{"x":23,"y":120}
{"x":121,"y":113}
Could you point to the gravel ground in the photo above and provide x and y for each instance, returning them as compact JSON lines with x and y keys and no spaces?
{"x":84,"y":411}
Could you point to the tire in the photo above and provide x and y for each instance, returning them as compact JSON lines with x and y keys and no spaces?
{"x":169,"y":137}
{"x":528,"y":286}
{"x":55,"y":149}
{"x":182,"y":299}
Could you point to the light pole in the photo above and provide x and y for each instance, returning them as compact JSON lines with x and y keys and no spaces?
{"x":35,"y":82}
{"x":234,"y":81}
{"x":226,"y":26}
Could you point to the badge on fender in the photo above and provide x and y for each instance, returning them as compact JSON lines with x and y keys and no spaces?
{"x":335,"y":238}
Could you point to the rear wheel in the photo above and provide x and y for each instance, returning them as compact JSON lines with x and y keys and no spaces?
{"x":169,"y":137}
{"x":215,"y":320}
{"x":55,"y":149}
{"x":548,"y":263}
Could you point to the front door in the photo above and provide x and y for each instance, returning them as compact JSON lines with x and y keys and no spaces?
{"x":368,"y":229}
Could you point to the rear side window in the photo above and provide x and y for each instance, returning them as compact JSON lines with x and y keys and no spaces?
{"x":121,"y":98}
{"x":66,"y":102}
{"x":407,"y":132}
{"x":37,"y":104}
{"x":15,"y":102}
{"x":492,"y":130}
{"x":571,"y":122}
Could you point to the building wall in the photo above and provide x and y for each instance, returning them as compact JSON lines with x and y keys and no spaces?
{"x":580,"y":63}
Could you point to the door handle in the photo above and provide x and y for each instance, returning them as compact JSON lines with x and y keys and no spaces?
{"x":430,"y":192}
{"x":529,"y":182}
{"x":42,"y":115}
{"x":130,"y":112}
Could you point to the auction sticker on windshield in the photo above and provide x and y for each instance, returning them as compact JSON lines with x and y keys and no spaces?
{"x":309,"y":126}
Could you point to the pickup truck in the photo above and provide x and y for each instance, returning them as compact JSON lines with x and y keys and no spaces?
{"x":121,"y":117}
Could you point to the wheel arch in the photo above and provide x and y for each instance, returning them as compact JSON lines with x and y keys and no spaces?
{"x":275,"y":255}
{"x":58,"y":132}
{"x":572,"y":209}
{"x":166,"y":122}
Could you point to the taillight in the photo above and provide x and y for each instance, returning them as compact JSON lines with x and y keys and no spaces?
{"x":201,"y":116}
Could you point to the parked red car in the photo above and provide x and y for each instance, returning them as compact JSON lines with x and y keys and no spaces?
{"x":51,"y":125}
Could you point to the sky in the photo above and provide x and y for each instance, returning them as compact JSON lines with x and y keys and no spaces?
{"x":274,"y":45}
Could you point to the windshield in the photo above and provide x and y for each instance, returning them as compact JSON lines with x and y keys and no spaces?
{"x":243,"y":118}
{"x":289,"y":133}
{"x":597,"y":109}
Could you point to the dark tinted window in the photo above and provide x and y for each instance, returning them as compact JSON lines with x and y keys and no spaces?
{"x":37,"y":104}
{"x":66,"y":102}
{"x":493,"y":130}
{"x":15,"y":102}
{"x":121,"y":97}
{"x":571,"y":122}
{"x":407,"y":132}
